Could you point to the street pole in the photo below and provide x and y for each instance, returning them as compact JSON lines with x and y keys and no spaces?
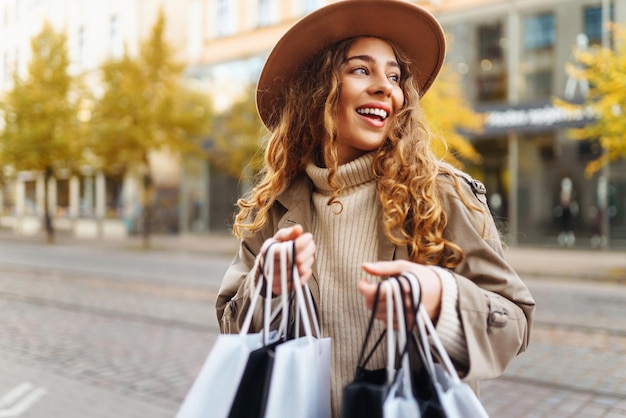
{"x":606,"y":169}
{"x":513,"y":144}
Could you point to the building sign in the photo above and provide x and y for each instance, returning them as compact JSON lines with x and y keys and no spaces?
{"x":529,"y":118}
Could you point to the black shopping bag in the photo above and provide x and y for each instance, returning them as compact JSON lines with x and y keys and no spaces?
{"x":364,"y":396}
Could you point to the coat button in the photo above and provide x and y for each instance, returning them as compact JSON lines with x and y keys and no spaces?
{"x":498,"y":318}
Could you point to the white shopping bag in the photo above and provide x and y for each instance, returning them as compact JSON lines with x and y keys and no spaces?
{"x":216,"y":386}
{"x":300,"y":385}
{"x":400,"y":402}
{"x":213,"y":391}
{"x":456,"y":397}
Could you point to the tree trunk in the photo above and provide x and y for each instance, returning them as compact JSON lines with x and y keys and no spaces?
{"x":147,"y":209}
{"x":47,"y":217}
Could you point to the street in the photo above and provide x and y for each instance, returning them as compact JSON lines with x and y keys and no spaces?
{"x":113,"y":331}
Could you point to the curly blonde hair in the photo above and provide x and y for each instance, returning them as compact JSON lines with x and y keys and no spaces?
{"x":404,"y":166}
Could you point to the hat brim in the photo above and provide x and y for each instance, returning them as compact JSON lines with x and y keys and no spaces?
{"x":410,"y":27}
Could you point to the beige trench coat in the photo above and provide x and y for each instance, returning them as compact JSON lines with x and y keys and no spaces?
{"x":495,"y":307}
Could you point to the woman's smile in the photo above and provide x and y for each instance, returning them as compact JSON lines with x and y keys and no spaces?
{"x":370,"y":94}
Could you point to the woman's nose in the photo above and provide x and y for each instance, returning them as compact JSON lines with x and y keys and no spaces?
{"x":381,"y":85}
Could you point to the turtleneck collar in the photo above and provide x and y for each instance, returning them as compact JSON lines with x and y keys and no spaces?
{"x":353,"y":173}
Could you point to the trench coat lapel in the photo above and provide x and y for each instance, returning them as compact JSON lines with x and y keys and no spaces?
{"x":297,"y":202}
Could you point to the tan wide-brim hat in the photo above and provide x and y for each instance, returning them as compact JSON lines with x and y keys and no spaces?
{"x":410,"y":27}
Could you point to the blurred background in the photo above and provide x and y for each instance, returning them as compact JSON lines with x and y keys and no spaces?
{"x":131,"y":125}
{"x":137,"y":117}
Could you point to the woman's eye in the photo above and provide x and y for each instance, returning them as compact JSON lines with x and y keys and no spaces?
{"x":394,"y":78}
{"x":360,"y":70}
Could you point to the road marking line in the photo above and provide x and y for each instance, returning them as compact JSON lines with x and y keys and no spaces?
{"x":28,"y":395}
{"x":14,"y":394}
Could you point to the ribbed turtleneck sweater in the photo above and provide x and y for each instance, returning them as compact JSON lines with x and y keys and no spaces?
{"x":346,"y":237}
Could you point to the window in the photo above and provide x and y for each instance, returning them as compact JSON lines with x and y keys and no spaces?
{"x":491,"y":78}
{"x":115,"y":37}
{"x":593,"y":23}
{"x":114,"y":185}
{"x":538,"y":57}
{"x":539,"y":31}
{"x":63,"y":198}
{"x":537,"y":85}
{"x":225,"y":18}
{"x":30,"y":197}
{"x":87,"y":197}
{"x":265,"y":12}
{"x":489,"y":40}
{"x":492,"y":87}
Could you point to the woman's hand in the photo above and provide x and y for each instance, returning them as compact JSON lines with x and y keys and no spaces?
{"x":305,"y":254}
{"x":430,"y":284}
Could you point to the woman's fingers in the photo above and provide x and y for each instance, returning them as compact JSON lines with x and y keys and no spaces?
{"x":288,"y":234}
{"x":430,"y":283}
{"x":305,"y":255}
{"x":388,"y":268}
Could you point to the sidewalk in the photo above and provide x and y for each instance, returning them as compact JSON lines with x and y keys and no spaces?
{"x":544,"y":262}
{"x":560,"y":263}
{"x":557,"y":263}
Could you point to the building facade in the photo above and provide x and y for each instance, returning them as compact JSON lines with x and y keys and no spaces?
{"x":511,"y":56}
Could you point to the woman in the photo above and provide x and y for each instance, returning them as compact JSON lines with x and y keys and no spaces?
{"x":350,"y":178}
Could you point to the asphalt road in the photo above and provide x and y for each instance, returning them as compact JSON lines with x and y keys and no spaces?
{"x":95,"y":331}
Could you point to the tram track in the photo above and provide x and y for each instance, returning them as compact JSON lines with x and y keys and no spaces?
{"x":133,"y":299}
{"x":109,"y":313}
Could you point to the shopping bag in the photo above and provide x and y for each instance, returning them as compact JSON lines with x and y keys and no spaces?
{"x":364,"y":396}
{"x":252,"y":393}
{"x":456,"y":398}
{"x":216,"y":385}
{"x":251,"y":397}
{"x":426,"y":394}
{"x":235,"y":377}
{"x":300,"y":385}
{"x":422,"y":383}
{"x":399,"y":401}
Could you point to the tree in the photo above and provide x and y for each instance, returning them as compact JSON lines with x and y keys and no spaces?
{"x":40,"y":117}
{"x":605,"y":71}
{"x":449,"y":116}
{"x":146,"y":108}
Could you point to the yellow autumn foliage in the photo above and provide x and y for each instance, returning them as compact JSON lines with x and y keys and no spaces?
{"x":449,"y":115}
{"x":605,"y":70}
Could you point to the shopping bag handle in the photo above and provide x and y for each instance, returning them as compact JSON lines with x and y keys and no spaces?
{"x":286,"y":251}
{"x":428,"y":337}
{"x":404,"y":330}
{"x":265,"y":280}
{"x":370,"y":326}
{"x":396,"y":340}
{"x":310,"y":305}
